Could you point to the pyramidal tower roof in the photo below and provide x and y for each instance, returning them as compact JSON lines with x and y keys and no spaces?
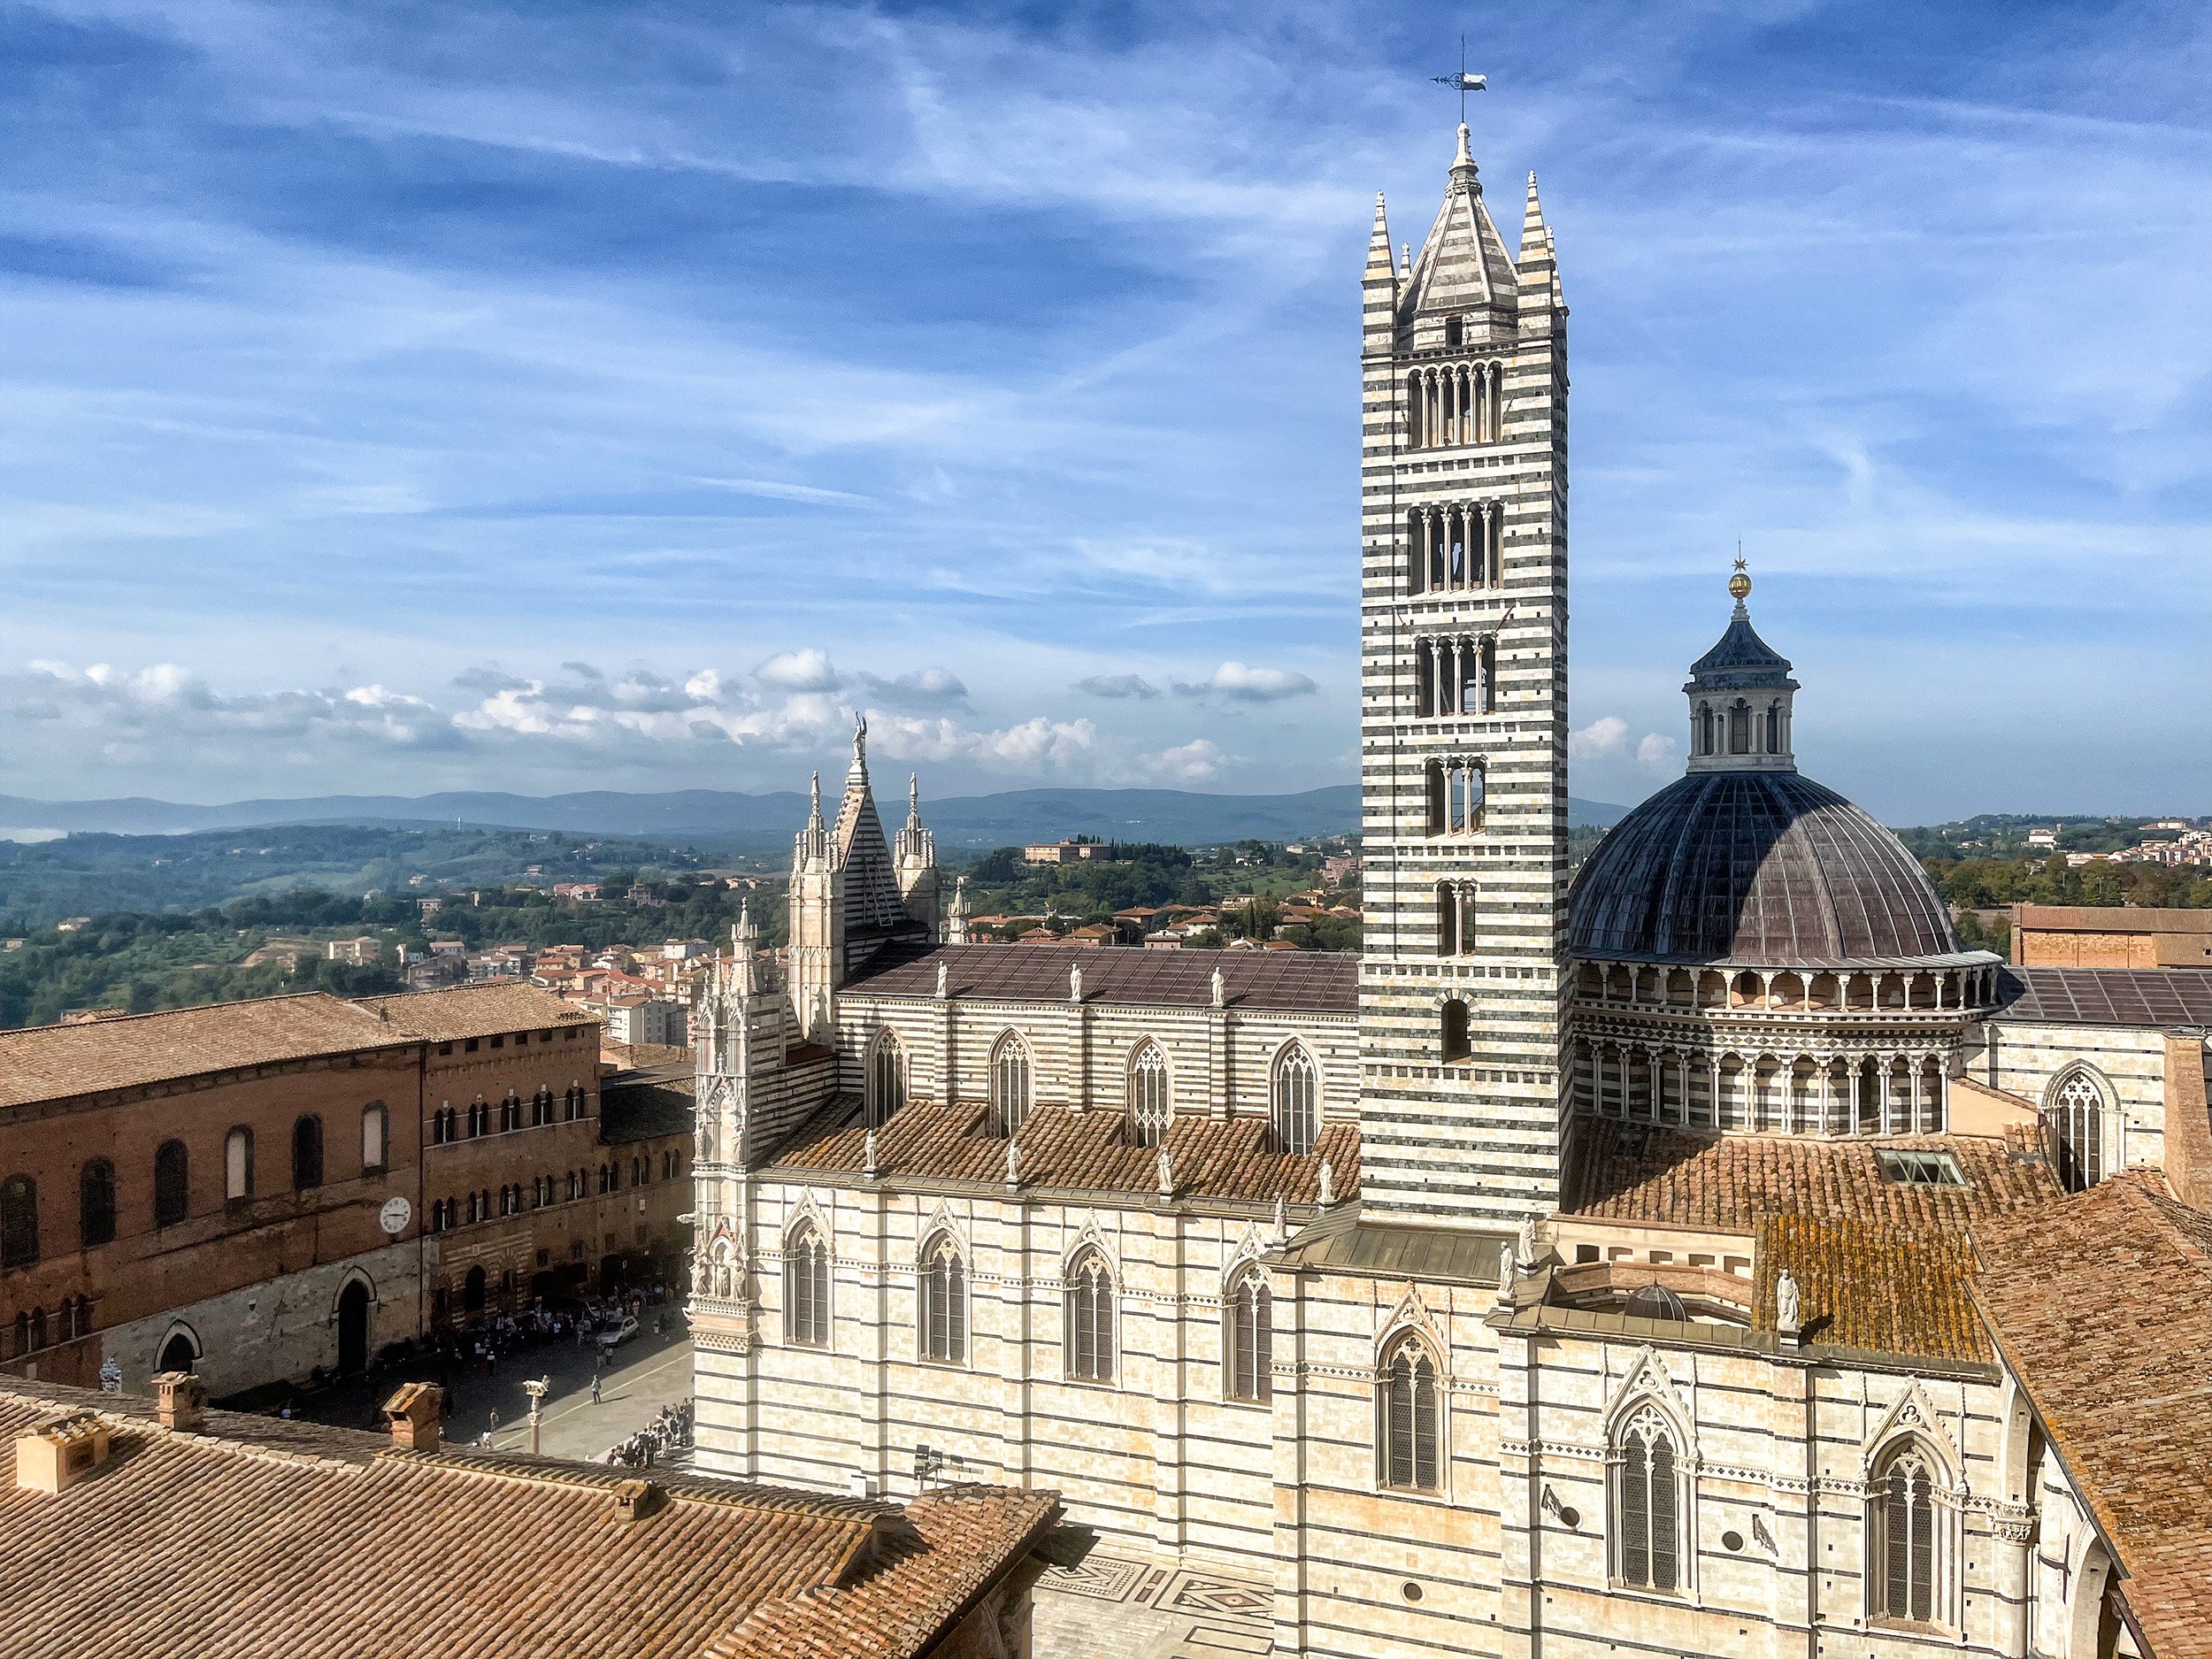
{"x":1463,"y":266}
{"x":873,"y":905}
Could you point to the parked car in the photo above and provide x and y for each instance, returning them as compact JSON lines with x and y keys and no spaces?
{"x":614,"y":1335}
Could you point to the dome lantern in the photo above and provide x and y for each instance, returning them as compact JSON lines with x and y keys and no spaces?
{"x":1740,"y":697}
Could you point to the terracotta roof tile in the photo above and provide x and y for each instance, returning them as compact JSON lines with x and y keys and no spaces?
{"x":1881,"y":1266}
{"x":2103,"y":1306}
{"x":225,"y":1543}
{"x":1314,"y":982}
{"x":59,"y":1062}
{"x":1089,"y":1151}
{"x":1863,"y":1286}
{"x":476,"y":1010}
{"x":1726,"y":1183}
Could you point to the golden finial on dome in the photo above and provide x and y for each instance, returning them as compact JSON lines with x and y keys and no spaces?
{"x":1740,"y":584}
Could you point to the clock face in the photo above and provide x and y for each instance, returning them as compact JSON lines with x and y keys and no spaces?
{"x":393,"y":1216}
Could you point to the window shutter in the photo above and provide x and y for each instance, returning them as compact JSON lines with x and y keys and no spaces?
{"x":1896,"y":1549}
{"x":1922,"y":1550}
{"x":1635,"y":1513}
{"x":1663,"y":1514}
{"x":956,"y":1309}
{"x":1398,"y":1421}
{"x":1262,"y":1345}
{"x":1425,"y":1425}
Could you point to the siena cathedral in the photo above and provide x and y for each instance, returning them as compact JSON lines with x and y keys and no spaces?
{"x":1709,"y":1256}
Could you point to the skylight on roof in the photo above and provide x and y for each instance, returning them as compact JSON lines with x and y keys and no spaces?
{"x":1920,"y":1169}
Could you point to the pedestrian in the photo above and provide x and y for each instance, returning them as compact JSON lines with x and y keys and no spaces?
{"x":495,"y":1419}
{"x":595,"y":1388}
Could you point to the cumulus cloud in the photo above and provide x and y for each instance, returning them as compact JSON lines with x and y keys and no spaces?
{"x":925,"y":689}
{"x":1117,"y":686}
{"x":1606,"y":737}
{"x":123,"y":715}
{"x":1195,"y":762}
{"x":1241,"y":683}
{"x":808,"y":670}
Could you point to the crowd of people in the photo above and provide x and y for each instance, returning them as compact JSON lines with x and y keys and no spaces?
{"x":669,"y":1430}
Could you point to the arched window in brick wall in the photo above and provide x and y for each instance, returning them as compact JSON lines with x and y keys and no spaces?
{"x":238,"y":1164}
{"x":1151,"y":1095}
{"x":307,"y":1153}
{"x":376,"y":1137}
{"x":806,"y":1288}
{"x":95,"y":1204}
{"x":172,"y":1184}
{"x":19,"y":1221}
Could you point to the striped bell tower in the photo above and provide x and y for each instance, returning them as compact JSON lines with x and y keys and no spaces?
{"x":1464,"y":717}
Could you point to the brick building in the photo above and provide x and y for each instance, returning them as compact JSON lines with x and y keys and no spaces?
{"x":2110,"y":936}
{"x":255,"y":1190}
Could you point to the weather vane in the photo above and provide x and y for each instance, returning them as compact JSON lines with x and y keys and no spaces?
{"x":1463,"y":83}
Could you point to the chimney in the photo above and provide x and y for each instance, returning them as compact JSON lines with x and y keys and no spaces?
{"x":61,"y":1454}
{"x":179,"y":1401}
{"x":634,"y":1500}
{"x":413,"y":1413}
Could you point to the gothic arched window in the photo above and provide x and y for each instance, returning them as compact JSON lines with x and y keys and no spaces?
{"x":1408,"y":1419}
{"x":95,"y":1204}
{"x":1905,"y":1561}
{"x":1248,"y":1337}
{"x":1446,"y":919}
{"x":2078,"y":1115}
{"x":1010,"y":1084}
{"x":19,"y":1221}
{"x":886,"y":1079}
{"x":1647,"y":1504}
{"x":238,"y":1164}
{"x":943,"y":1312}
{"x":1151,"y":1097}
{"x":806,"y":1288}
{"x":1433,"y":789}
{"x":1295,"y":1114}
{"x":1090,"y":1320}
{"x":172,"y":1184}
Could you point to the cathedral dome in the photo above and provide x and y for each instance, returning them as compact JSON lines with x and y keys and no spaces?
{"x":1757,"y":869}
{"x":1744,"y":861}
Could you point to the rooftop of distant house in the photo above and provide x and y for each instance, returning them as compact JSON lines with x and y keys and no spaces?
{"x":216,"y":1533}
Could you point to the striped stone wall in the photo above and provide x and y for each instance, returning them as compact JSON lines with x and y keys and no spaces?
{"x":1474,"y":1138}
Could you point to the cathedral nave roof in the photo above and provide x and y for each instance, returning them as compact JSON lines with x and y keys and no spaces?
{"x":1230,"y":1159}
{"x":1314,"y":981}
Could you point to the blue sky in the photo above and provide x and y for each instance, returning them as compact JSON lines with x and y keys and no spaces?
{"x":555,"y":396}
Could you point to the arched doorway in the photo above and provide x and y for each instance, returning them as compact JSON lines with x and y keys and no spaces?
{"x":353,"y":1329}
{"x":179,"y":1354}
{"x":472,"y":1291}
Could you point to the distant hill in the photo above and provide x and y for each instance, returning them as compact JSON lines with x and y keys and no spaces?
{"x":757,"y":823}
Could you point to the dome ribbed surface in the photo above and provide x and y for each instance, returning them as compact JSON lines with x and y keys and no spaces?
{"x":1761,"y":868}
